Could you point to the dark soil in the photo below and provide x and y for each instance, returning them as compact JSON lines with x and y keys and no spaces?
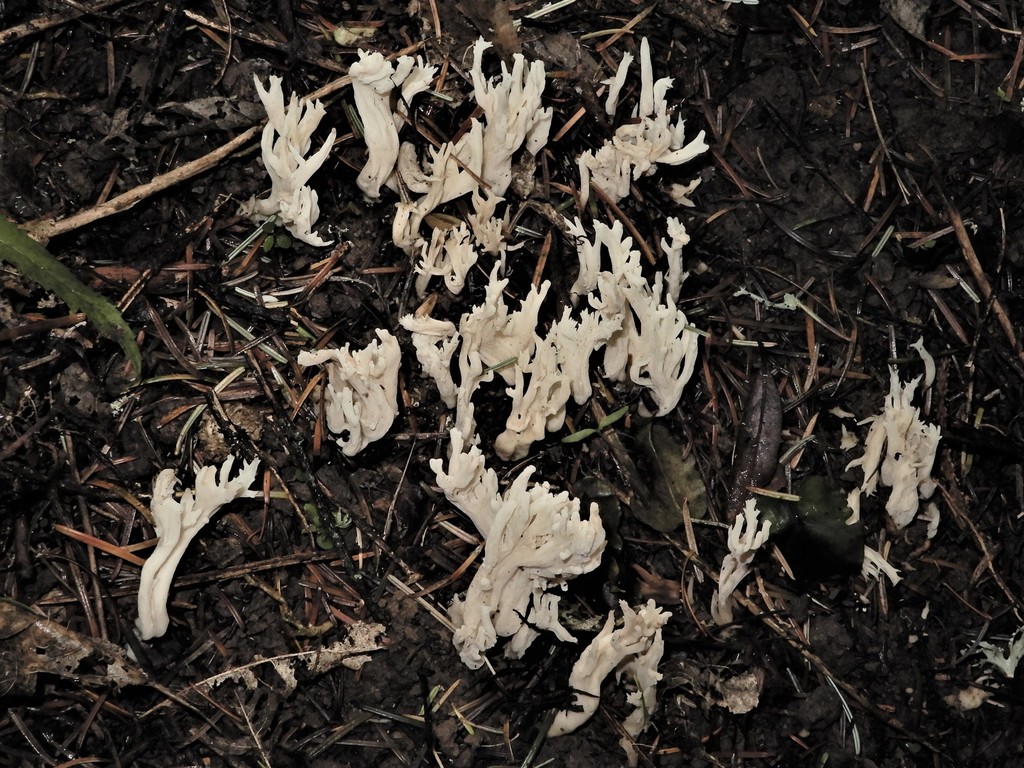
{"x":844,"y":151}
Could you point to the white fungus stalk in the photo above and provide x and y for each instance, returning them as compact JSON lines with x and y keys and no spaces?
{"x":176,"y":524}
{"x":537,"y":408}
{"x":615,"y":83}
{"x":635,"y":647}
{"x":745,"y":538}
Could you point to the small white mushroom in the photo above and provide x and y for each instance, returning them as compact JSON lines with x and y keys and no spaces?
{"x":500,"y":335}
{"x":927,"y":359}
{"x":537,"y":408}
{"x":663,"y":350}
{"x":488,"y":229}
{"x":452,"y":171}
{"x":875,"y":566}
{"x":373,"y":80}
{"x":575,"y":342}
{"x":468,"y":483}
{"x":653,"y":345}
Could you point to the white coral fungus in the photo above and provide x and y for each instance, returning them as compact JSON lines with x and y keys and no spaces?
{"x":875,"y":566}
{"x":361,"y":396}
{"x":512,"y":108}
{"x":468,"y":483}
{"x":745,"y":538}
{"x":633,"y":652}
{"x":558,"y":368}
{"x":481,"y":159}
{"x":535,"y":540}
{"x":449,"y":254}
{"x":654,"y":347}
{"x":1005,"y":660}
{"x":373,"y":80}
{"x":537,"y":408}
{"x":492,"y":338}
{"x":638,"y":147}
{"x":176,"y":524}
{"x":909,"y":447}
{"x":290,"y":200}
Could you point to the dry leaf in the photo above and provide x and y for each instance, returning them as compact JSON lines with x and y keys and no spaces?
{"x":31,"y":644}
{"x":673,"y":479}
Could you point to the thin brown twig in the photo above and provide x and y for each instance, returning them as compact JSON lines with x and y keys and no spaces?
{"x":971,"y":257}
{"x":44,"y":229}
{"x":329,"y":64}
{"x":43,"y":23}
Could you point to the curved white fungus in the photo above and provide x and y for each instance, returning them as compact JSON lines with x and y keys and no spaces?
{"x":634,"y":648}
{"x":373,"y":80}
{"x":176,"y":524}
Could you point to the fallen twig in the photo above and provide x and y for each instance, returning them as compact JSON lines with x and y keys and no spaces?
{"x":43,"y":23}
{"x":43,"y":229}
{"x":979,"y":277}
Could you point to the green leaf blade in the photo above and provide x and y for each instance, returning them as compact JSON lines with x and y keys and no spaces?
{"x":34,"y":262}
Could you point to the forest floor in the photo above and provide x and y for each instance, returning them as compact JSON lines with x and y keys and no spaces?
{"x":865,"y":159}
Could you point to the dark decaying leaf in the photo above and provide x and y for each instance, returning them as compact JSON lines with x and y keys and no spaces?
{"x":672,"y":479}
{"x":759,"y":439}
{"x":812,"y":533}
{"x":31,"y":644}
